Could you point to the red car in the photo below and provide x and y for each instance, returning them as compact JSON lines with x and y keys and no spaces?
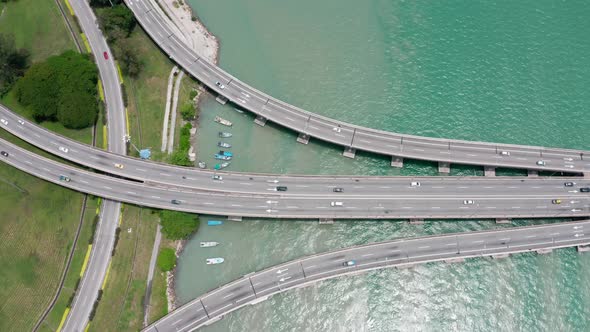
{"x":106,"y":55}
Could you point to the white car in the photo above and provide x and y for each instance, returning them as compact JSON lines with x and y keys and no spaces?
{"x":541,"y":162}
{"x":336,"y":204}
{"x":468,"y":202}
{"x":4,"y":122}
{"x":505,"y":153}
{"x":415,"y":184}
{"x":63,"y":149}
{"x":221,"y":86}
{"x":120,"y":166}
{"x":217,"y":177}
{"x":21,"y":122}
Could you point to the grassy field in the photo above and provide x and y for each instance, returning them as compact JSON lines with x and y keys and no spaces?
{"x":147,"y":93}
{"x":159,"y":300}
{"x":37,"y":26}
{"x":126,"y":283}
{"x":39,"y":219}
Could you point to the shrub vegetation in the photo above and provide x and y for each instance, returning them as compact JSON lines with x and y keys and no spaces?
{"x":13,"y":63}
{"x":178,"y":225}
{"x":166,"y":259}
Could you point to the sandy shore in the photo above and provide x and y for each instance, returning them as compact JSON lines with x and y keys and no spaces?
{"x":206,"y":45}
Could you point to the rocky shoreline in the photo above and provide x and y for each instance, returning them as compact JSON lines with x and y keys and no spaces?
{"x":205,"y":44}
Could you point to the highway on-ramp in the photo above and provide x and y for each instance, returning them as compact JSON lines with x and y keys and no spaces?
{"x":161,"y":30}
{"x":258,"y":286}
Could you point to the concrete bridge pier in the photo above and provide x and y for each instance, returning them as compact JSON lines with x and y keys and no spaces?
{"x":260,"y":120}
{"x":533,"y":173}
{"x":349,"y":152}
{"x":544,"y":251}
{"x":234,"y":218}
{"x":455,"y":260}
{"x":503,"y":220}
{"x":221,"y":99}
{"x":489,"y":171}
{"x":416,"y":221}
{"x":397,"y":161}
{"x":326,"y":221}
{"x":583,"y":248}
{"x":303,"y":138}
{"x":500,"y":256}
{"x":444,"y":167}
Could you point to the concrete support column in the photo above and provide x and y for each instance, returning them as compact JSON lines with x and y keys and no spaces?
{"x":303,"y":138}
{"x":235,"y":218}
{"x":583,"y":248}
{"x":533,"y":173}
{"x":544,"y":251}
{"x":416,"y":221}
{"x":221,"y":99}
{"x":260,"y":120}
{"x":444,"y":167}
{"x":489,"y":171}
{"x":349,"y":152}
{"x":397,"y":161}
{"x":503,"y":221}
{"x":326,"y":221}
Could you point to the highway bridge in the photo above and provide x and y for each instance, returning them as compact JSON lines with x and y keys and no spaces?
{"x":259,"y":286}
{"x":351,"y":137}
{"x":502,"y":198}
{"x":163,"y":176}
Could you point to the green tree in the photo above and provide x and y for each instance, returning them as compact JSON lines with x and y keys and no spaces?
{"x":178,"y":225}
{"x":117,"y":22}
{"x":166,"y":259}
{"x":130,"y":64}
{"x":13,"y":63}
{"x":61,"y":88}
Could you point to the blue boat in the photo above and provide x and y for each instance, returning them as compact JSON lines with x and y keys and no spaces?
{"x":214,"y":222}
{"x":222,"y":157}
{"x":226,"y":153}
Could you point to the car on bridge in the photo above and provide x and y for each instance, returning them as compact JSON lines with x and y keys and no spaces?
{"x":585,"y":190}
{"x":336,"y":204}
{"x":217,"y":177}
{"x":349,"y":263}
{"x":4,"y":122}
{"x":63,"y":149}
{"x":541,"y":162}
{"x":106,"y":55}
{"x":569,"y":184}
{"x":505,"y":153}
{"x":468,"y":202}
{"x":556,"y":201}
{"x":4,"y":153}
{"x":221,"y":86}
{"x":281,"y":188}
{"x":64,"y":178}
{"x":415,"y":184}
{"x":120,"y":166}
{"x":338,"y":190}
{"x":175,"y":201}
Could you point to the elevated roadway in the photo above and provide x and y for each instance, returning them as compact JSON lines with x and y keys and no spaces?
{"x":259,"y":286}
{"x":104,"y":237}
{"x":351,"y":137}
{"x":434,"y":203}
{"x":167,"y":176}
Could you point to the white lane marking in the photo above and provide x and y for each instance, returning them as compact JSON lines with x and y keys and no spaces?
{"x":37,"y":135}
{"x":530,"y":236}
{"x":313,"y":127}
{"x":228,"y":295}
{"x":424,"y":247}
{"x":107,"y":187}
{"x":463,"y":187}
{"x":488,"y":187}
{"x":164,"y":174}
{"x":288,"y":118}
{"x":435,"y":207}
{"x":45,"y":169}
{"x":367,"y":255}
{"x":141,"y":169}
{"x":321,"y":207}
{"x":516,"y":207}
{"x":94,"y":157}
{"x":28,"y":162}
{"x":156,"y":197}
{"x":541,"y":207}
{"x":132,"y":193}
{"x":385,"y":187}
{"x":364,"y":141}
{"x":208,"y":203}
{"x":437,"y":187}
{"x":421,"y":150}
{"x":292,"y":207}
{"x":236,"y":205}
{"x":477,"y":241}
{"x":451,"y":244}
{"x":245,"y":184}
{"x":490,"y":207}
{"x":85,"y":182}
{"x":407,"y":207}
{"x":301,"y":186}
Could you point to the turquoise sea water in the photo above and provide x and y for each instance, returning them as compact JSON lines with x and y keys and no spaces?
{"x":505,"y":71}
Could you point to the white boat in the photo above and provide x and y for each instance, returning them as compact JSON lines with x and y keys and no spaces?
{"x":224,"y":145}
{"x":238,"y":110}
{"x":216,"y":260}
{"x":223,"y":121}
{"x":202,"y":164}
{"x":209,"y":244}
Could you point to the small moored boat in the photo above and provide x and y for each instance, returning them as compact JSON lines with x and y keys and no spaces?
{"x":202,"y":164}
{"x":222,"y":157}
{"x":214,"y":222}
{"x":224,"y":134}
{"x":225,"y":153}
{"x":238,"y":110}
{"x":216,"y":260}
{"x":223,"y":145}
{"x":223,"y":121}
{"x":208,"y":244}
{"x":222,"y":165}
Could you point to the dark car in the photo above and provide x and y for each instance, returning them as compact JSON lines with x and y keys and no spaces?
{"x":349,"y":263}
{"x":569,"y":184}
{"x":4,"y":153}
{"x":281,"y":188}
{"x":585,"y":190}
{"x":64,"y":178}
{"x":338,"y":190}
{"x":175,"y":201}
